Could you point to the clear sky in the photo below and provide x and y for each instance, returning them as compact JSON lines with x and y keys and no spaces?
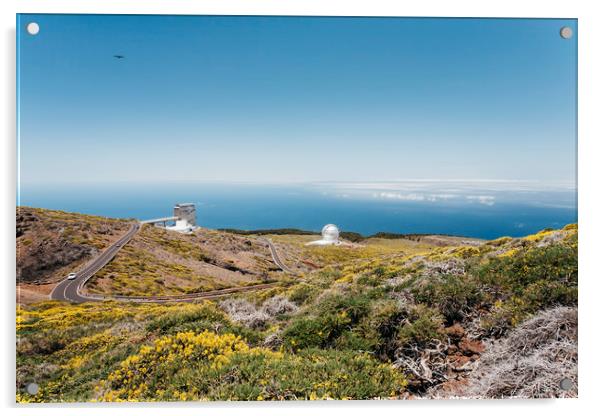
{"x":291,"y":99}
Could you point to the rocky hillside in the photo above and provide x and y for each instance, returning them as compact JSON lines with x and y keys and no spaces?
{"x":162,"y":262}
{"x":51,"y":243}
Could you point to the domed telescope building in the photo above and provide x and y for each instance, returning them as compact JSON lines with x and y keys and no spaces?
{"x":330,"y":236}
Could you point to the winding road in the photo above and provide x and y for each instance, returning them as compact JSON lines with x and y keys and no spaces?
{"x":70,"y":290}
{"x":275,"y":256}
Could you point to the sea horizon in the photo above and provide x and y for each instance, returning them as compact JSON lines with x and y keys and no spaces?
{"x":485,"y":209}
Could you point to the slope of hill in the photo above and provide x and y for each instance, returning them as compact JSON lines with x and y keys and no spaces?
{"x":390,"y":322}
{"x":161,"y":262}
{"x":47,"y":241}
{"x":50,"y":244}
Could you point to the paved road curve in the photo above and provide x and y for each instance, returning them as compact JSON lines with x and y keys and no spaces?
{"x":69,"y":290}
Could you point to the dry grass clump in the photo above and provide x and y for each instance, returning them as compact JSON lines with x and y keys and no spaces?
{"x":428,"y":365}
{"x":451,"y":266}
{"x":551,"y":238}
{"x":246,"y":313}
{"x":273,"y":340}
{"x":279,"y":305}
{"x":532,"y":360}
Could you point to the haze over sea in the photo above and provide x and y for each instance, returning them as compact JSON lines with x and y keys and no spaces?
{"x":483,"y":209}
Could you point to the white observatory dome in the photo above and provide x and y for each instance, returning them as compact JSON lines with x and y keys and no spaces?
{"x":330,"y":236}
{"x":330,"y":232}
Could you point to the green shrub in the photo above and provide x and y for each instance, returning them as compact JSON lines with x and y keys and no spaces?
{"x":332,"y":316}
{"x":318,"y":332}
{"x":537,"y":296}
{"x":529,"y":280}
{"x":379,"y":328}
{"x":351,"y":236}
{"x":454,"y":296}
{"x":353,"y":305}
{"x":424,"y":324}
{"x":514,"y":273}
{"x":370,"y":279}
{"x":356,"y":341}
{"x":543,"y":294}
{"x":302,"y":293}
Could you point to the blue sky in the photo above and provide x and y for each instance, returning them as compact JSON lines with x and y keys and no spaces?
{"x":289,"y":99}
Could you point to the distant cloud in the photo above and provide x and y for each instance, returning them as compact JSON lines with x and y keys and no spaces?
{"x":482,"y":199}
{"x":488,"y":200}
{"x":449,"y":186}
{"x":476,"y":193}
{"x":397,"y":195}
{"x":413,"y":196}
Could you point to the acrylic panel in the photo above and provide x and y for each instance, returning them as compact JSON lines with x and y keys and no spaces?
{"x":217,"y":208}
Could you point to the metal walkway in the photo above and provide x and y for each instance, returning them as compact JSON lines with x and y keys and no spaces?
{"x":158,"y":220}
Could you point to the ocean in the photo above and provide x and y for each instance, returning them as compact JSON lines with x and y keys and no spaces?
{"x":473,"y":209}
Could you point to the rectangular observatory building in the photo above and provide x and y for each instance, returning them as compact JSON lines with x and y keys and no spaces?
{"x":185,"y":212}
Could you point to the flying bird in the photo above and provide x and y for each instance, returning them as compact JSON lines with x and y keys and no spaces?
{"x":118,"y":56}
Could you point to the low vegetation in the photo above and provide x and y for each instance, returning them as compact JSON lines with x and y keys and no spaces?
{"x":295,"y":251}
{"x":379,"y":320}
{"x":115,"y":352}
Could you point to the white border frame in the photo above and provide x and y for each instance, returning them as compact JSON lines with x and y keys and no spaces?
{"x":590,"y":340}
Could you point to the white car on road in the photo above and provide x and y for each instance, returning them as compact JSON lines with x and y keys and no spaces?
{"x":71,"y":276}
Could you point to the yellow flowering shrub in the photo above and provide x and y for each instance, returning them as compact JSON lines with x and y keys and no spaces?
{"x":208,"y":366}
{"x":57,"y":315}
{"x":466,"y":252}
{"x":508,"y":253}
{"x":538,"y":236}
{"x":129,"y":381}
